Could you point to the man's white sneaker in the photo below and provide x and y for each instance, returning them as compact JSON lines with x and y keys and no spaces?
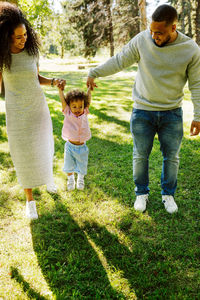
{"x":141,"y":202}
{"x":169,"y":203}
{"x":31,"y":211}
{"x":80,"y":182}
{"x":71,"y":183}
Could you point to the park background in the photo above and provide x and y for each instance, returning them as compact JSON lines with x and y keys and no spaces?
{"x":91,"y":244}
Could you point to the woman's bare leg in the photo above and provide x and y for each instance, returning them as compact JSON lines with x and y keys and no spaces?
{"x":29,"y":194}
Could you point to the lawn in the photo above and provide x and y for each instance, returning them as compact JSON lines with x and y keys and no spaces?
{"x":91,"y":244}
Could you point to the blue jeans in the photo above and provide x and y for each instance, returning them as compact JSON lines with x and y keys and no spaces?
{"x":75,"y":158}
{"x":169,"y":127}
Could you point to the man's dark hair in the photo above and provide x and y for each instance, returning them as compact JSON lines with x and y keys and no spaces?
{"x":165,"y":13}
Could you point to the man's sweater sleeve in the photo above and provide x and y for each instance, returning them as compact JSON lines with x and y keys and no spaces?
{"x":128,"y":56}
{"x":193,"y":72}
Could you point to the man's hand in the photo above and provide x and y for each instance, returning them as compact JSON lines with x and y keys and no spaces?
{"x":91,"y":83}
{"x":195,"y":128}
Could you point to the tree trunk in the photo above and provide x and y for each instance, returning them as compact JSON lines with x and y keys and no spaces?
{"x":62,"y":50}
{"x":183,"y":17}
{"x":2,"y":94}
{"x":197,"y":22}
{"x":143,"y":18}
{"x":110,"y":27}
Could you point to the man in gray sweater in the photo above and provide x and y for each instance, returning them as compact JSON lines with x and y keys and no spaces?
{"x":166,"y":59}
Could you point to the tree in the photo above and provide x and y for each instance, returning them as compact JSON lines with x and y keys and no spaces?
{"x":101,"y":22}
{"x":197,"y":22}
{"x":143,"y":18}
{"x":36,"y":11}
{"x":93,"y":20}
{"x":60,"y":36}
{"x":189,"y":17}
{"x":126,"y":20}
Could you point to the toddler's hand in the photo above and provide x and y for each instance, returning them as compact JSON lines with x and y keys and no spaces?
{"x":60,"y":83}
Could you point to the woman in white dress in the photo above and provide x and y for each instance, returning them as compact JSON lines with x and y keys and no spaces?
{"x":29,"y":125}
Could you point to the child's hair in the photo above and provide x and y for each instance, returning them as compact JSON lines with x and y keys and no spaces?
{"x":76,"y":95}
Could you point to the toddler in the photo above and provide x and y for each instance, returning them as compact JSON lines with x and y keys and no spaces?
{"x":75,"y":131}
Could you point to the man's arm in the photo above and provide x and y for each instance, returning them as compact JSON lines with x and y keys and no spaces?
{"x":128,"y":56}
{"x":193,"y":73}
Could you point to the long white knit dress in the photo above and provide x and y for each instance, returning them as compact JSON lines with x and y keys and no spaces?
{"x":29,"y":125}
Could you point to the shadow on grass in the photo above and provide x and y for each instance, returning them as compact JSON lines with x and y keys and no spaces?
{"x":31,"y":293}
{"x":137,"y":265}
{"x":159,"y":263}
{"x":69,"y":263}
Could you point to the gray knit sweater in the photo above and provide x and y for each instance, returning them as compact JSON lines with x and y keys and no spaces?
{"x":162,"y":71}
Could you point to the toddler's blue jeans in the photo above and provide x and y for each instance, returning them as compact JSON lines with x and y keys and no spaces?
{"x":169,"y":127}
{"x":75,"y":158}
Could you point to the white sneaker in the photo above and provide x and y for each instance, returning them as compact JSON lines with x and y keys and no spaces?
{"x":169,"y":203}
{"x":71,"y":183}
{"x":141,"y":202}
{"x":31,"y":211}
{"x":51,"y":188}
{"x":80,"y":182}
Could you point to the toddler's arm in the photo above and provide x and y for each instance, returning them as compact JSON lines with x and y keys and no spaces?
{"x":89,"y":95}
{"x":62,"y":98}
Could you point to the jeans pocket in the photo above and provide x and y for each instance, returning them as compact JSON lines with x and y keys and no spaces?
{"x":178,"y":112}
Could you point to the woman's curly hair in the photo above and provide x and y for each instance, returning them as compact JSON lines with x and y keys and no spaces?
{"x":76,"y":95}
{"x":10,"y":18}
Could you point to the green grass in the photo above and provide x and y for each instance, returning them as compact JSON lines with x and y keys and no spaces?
{"x":91,"y":244}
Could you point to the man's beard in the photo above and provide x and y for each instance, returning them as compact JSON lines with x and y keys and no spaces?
{"x":163,"y":43}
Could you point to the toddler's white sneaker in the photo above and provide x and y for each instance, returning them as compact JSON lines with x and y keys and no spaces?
{"x":141,"y":202}
{"x":80,"y":182}
{"x":169,"y":203}
{"x":71,"y":183}
{"x":31,"y":211}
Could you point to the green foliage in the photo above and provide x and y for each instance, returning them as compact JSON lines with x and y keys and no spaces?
{"x":126,"y":20}
{"x":90,"y":18}
{"x":100,"y":23}
{"x":60,"y":36}
{"x":189,"y":17}
{"x":37,"y":12}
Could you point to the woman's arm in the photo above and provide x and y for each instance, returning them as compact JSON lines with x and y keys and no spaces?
{"x":60,"y":83}
{"x":62,"y":98}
